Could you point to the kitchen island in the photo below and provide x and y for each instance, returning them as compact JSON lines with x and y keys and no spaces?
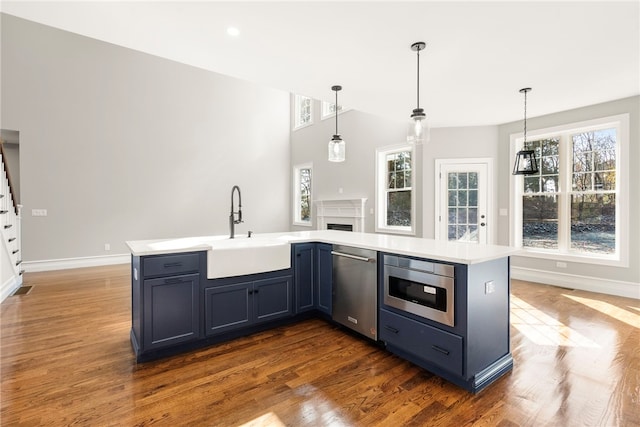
{"x":199,"y":291}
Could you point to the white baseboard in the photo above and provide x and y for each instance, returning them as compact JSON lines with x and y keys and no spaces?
{"x":66,"y":263}
{"x":584,"y":283}
{"x":10,"y":286}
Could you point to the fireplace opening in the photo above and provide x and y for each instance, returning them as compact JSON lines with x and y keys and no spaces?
{"x":341,"y":227}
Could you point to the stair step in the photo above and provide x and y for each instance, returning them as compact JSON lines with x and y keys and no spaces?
{"x":15,"y":251}
{"x":11,"y":239}
{"x":19,"y":262}
{"x":21,"y":272}
{"x":8,"y":226}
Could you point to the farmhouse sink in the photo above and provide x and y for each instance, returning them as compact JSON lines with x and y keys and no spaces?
{"x":241,"y":256}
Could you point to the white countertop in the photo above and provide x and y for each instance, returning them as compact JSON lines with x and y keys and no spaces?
{"x":462,"y":253}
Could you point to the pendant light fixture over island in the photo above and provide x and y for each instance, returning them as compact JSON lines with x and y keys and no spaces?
{"x":336,"y":145}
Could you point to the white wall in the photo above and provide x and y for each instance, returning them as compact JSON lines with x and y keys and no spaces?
{"x":119,"y":145}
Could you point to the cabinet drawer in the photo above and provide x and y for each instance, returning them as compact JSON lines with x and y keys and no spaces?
{"x":430,"y":344}
{"x":164,"y":265}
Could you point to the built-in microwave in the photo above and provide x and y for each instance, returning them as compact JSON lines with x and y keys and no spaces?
{"x":420,"y":287}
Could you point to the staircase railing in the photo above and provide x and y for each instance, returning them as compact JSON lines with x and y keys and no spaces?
{"x":10,"y":217}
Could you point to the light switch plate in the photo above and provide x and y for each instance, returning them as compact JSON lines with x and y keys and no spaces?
{"x":38,"y":212}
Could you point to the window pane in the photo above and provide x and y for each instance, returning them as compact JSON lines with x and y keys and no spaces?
{"x":451,"y":235}
{"x":391,"y":182}
{"x":305,"y":195}
{"x":399,"y":208}
{"x":462,"y":215}
{"x":400,"y":180}
{"x":453,"y":198}
{"x":594,"y":151}
{"x":453,"y":181}
{"x":473,"y":197}
{"x":462,"y":180}
{"x":532,"y":184}
{"x":593,"y":223}
{"x":452,"y":215}
{"x":462,"y":198}
{"x":407,"y":179}
{"x":540,"y":222}
{"x":473,"y":180}
{"x":473,"y":216}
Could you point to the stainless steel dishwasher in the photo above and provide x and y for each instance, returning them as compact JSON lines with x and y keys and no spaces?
{"x":355,"y":289}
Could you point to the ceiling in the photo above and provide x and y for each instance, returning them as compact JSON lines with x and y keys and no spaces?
{"x":478,"y":54}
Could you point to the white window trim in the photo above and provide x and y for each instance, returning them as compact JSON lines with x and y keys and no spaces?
{"x":381,"y":181}
{"x":296,"y":195}
{"x":621,"y":257}
{"x":294,"y":112}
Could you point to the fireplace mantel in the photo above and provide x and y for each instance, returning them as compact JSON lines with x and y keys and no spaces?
{"x":341,"y":211}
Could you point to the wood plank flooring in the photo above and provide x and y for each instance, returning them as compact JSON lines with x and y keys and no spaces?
{"x":66,"y":360}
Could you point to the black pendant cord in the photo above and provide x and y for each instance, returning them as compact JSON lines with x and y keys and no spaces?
{"x":525,"y":119}
{"x":336,"y":112}
{"x":418,"y":80}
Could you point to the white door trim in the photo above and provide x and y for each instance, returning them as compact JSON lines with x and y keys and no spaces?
{"x":491,"y":218}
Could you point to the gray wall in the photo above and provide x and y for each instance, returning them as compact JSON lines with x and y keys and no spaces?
{"x":627,"y":105}
{"x":119,"y":145}
{"x":363,"y":133}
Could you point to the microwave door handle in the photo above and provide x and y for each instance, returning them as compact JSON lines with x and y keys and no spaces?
{"x":356,"y":257}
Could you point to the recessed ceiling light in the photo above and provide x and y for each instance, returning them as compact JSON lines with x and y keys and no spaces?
{"x":233,"y":31}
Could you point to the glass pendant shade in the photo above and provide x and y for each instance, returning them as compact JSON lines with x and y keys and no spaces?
{"x":418,"y":128}
{"x":336,"y":149}
{"x":525,"y":163}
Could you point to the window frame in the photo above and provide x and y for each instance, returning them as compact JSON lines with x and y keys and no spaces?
{"x":296,"y":111}
{"x":297,"y":220}
{"x":620,"y":257}
{"x":381,"y":190}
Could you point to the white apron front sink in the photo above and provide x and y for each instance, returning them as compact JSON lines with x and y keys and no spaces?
{"x":242,"y":256}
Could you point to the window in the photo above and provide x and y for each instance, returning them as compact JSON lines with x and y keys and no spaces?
{"x":302,"y":194}
{"x":395,"y":208}
{"x":576,"y":205}
{"x":303,"y":111}
{"x":329,"y":109}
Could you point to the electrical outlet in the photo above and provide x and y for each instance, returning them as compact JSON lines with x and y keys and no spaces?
{"x":38,"y":212}
{"x":561,"y":264}
{"x":107,"y":247}
{"x":489,"y":287}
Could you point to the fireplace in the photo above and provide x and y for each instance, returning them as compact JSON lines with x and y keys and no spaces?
{"x":344,"y":214}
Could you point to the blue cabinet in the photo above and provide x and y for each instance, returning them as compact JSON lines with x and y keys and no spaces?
{"x":475,"y":351}
{"x":304,"y":274}
{"x":171,"y":311}
{"x":324,"y":278}
{"x":165,"y":297}
{"x":236,"y":305}
{"x":312,"y":264}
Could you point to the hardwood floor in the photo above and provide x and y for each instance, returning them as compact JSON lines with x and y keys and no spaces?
{"x":66,"y":360}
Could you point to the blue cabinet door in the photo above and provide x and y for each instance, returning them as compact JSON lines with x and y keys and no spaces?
{"x":171,"y":310}
{"x":272,"y":298}
{"x":227,"y":307}
{"x":324,"y":277}
{"x":303,"y":260}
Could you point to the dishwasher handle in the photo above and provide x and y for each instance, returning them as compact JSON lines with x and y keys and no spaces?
{"x":356,"y":257}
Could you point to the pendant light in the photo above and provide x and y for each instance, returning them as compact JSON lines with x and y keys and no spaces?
{"x":336,"y":145}
{"x":525,"y":159}
{"x":418,"y":130}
